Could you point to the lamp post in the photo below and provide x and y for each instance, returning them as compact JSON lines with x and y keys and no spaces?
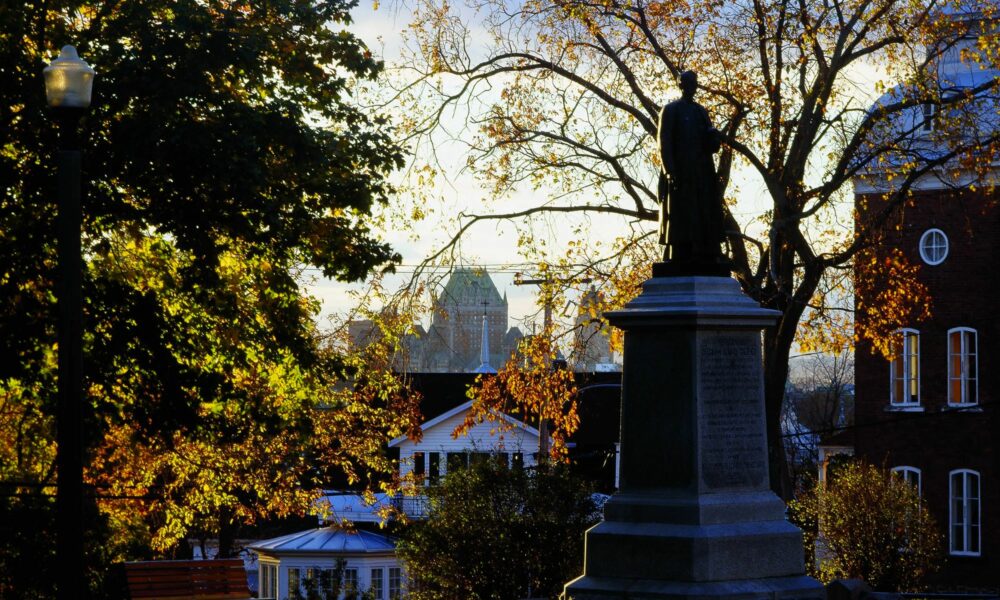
{"x":68,"y":84}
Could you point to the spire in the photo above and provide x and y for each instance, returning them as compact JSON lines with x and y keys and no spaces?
{"x":484,"y":350}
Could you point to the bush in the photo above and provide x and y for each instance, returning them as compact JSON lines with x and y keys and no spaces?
{"x":868,"y":524}
{"x":499,"y":533}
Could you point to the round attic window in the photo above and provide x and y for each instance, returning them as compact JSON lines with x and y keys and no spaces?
{"x":933,"y":246}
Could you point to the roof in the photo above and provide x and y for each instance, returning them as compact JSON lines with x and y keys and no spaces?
{"x":352,"y":506}
{"x":327,"y":540}
{"x":842,"y":439}
{"x":458,"y":410}
{"x":957,"y":74}
{"x":470,"y":287}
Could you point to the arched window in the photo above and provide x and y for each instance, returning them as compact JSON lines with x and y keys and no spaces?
{"x":910,"y":475}
{"x":904,"y":370}
{"x":964,"y":513}
{"x":963,"y":367}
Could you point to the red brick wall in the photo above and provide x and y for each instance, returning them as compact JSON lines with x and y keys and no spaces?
{"x":965,"y":291}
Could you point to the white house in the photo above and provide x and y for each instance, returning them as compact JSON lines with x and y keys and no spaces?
{"x":438,"y":451}
{"x":363,"y":561}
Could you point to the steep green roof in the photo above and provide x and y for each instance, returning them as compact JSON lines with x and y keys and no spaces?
{"x":470,"y":287}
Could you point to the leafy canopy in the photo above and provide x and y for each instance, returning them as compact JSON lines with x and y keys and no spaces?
{"x":561,"y":98}
{"x":224,"y":156}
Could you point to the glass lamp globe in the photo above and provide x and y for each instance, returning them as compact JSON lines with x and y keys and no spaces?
{"x":68,"y":80}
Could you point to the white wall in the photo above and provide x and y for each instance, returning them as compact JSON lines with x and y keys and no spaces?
{"x":363,"y":564}
{"x":484,"y":437}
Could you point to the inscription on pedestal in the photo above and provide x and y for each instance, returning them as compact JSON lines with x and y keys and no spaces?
{"x":733,"y":443}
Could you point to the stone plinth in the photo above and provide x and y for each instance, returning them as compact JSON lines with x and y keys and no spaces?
{"x":695,"y":517}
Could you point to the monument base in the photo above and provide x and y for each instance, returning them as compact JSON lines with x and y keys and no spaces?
{"x":772,"y":588}
{"x":695,"y":517}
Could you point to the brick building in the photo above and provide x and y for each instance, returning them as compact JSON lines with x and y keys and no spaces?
{"x":930,"y":411}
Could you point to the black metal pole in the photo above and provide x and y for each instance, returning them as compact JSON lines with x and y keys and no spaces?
{"x":69,"y":432}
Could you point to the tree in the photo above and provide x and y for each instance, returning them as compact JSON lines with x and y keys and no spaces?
{"x":565,"y":97}
{"x":823,"y":400}
{"x":870,"y":525}
{"x":224,"y":156}
{"x":818,"y":403}
{"x":528,"y":386}
{"x":497,"y":533}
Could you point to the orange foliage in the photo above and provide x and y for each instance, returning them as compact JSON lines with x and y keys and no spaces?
{"x":888,"y":293}
{"x":527,"y":387}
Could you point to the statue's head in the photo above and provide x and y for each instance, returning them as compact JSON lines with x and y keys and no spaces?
{"x":689,"y":83}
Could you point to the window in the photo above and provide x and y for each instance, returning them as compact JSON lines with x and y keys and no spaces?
{"x":326,"y":583}
{"x":350,"y":583}
{"x":310,"y":582}
{"x":457,"y":460}
{"x":377,"y":589}
{"x":910,"y":475}
{"x":268,"y":581}
{"x":517,"y":460}
{"x":904,"y":371}
{"x":434,"y":466}
{"x":419,"y":466}
{"x":395,"y":583}
{"x":963,"y":376}
{"x":964,"y":518}
{"x":933,"y":247}
{"x":927,"y":122}
{"x":294,"y":586}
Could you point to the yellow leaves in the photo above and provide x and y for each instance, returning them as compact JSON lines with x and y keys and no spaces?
{"x":527,"y":387}
{"x":889,"y":295}
{"x":872,"y":524}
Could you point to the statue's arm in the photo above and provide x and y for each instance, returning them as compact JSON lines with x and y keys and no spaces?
{"x":664,"y":131}
{"x":714,"y":141}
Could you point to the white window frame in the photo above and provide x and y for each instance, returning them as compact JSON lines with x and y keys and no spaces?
{"x":910,"y":475}
{"x":925,"y":247}
{"x":968,"y":356}
{"x":294,"y":592}
{"x":969,"y":497}
{"x":267,"y":580}
{"x":395,"y":577}
{"x":351,"y":587}
{"x":376,"y":585}
{"x":928,"y":112}
{"x":910,"y":359}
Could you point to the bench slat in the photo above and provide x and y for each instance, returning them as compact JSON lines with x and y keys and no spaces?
{"x":222,"y":579}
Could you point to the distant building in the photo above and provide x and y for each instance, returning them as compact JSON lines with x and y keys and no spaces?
{"x":454,"y":339}
{"x":592,"y":337}
{"x":467,"y":308}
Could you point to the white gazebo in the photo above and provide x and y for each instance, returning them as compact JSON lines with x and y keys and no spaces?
{"x":362,"y":561}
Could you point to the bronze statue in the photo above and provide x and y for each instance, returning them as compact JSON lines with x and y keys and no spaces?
{"x":691,"y":217}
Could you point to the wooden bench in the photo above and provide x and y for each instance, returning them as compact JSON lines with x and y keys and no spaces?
{"x":220,"y":579}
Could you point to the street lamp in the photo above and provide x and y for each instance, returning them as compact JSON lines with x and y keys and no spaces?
{"x":68,"y":84}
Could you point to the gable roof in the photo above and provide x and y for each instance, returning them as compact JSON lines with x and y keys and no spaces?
{"x":458,"y":410}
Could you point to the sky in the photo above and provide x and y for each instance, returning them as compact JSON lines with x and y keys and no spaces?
{"x":491,"y":245}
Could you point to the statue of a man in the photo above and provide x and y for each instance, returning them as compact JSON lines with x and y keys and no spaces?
{"x":691,"y":223}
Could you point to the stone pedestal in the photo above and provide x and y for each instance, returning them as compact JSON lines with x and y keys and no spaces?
{"x":695,"y":517}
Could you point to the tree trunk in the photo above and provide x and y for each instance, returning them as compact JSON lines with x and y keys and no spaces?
{"x":227,"y":534}
{"x":776,"y":353}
